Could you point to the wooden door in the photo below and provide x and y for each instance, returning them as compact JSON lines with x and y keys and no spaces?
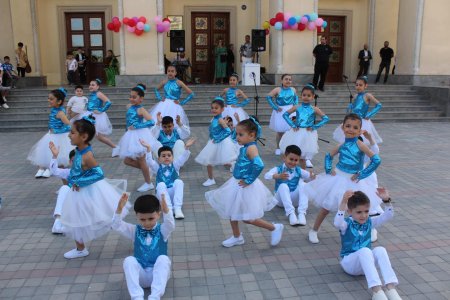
{"x":335,"y":33}
{"x":207,"y":29}
{"x":87,"y":31}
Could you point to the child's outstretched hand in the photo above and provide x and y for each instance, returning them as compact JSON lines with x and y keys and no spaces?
{"x":355,"y":177}
{"x":178,"y":120}
{"x":367,"y":135}
{"x":236,"y":116}
{"x":159,"y":117}
{"x":189,"y":143}
{"x":242,"y":183}
{"x":122,"y":202}
{"x":282,"y":176}
{"x":312,"y":176}
{"x":223,"y":123}
{"x":54,"y":149}
{"x":164,"y":206}
{"x":346,"y":196}
{"x":145,"y":144}
{"x":383,"y":193}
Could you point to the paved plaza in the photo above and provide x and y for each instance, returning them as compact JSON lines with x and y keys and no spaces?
{"x":415,"y":167}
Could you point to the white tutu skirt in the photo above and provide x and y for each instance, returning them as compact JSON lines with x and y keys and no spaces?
{"x":306,"y":140}
{"x":87,"y":214}
{"x":230,"y":111}
{"x":326,"y":191}
{"x":131,"y":147}
{"x":102,"y":123}
{"x":40,"y":154}
{"x":169,"y":108}
{"x":277,"y":122}
{"x":338,"y":134}
{"x":221,"y":153}
{"x":77,"y":117}
{"x":236,"y":203}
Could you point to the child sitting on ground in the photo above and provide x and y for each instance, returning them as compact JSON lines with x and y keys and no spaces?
{"x":169,"y":135}
{"x":149,"y":266}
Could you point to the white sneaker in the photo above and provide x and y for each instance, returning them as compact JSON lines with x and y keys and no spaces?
{"x":146,"y":187}
{"x":4,"y":99}
{"x":293,"y":221}
{"x":115,"y":151}
{"x":301,"y":219}
{"x":39,"y":173}
{"x":373,"y":235}
{"x":380,"y":295}
{"x":47,"y":173}
{"x":312,"y":236}
{"x":209,"y":182}
{"x":57,"y":227}
{"x":278,"y":152}
{"x":178,"y":214}
{"x":75,"y":253}
{"x":392,"y":294}
{"x":233,"y":241}
{"x":277,"y":234}
{"x":5,"y":105}
{"x":309,"y":164}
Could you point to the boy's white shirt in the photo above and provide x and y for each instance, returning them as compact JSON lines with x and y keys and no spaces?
{"x":387,"y":215}
{"x":269,"y":175}
{"x":184,"y":132}
{"x":177,"y":163}
{"x":58,"y":172}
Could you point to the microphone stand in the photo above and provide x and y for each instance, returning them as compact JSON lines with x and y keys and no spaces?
{"x":349,"y":91}
{"x":315,"y":104}
{"x":260,"y":139}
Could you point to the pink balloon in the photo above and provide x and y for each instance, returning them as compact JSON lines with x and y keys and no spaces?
{"x":304,"y":20}
{"x":136,"y":19}
{"x":287,"y":16}
{"x":131,"y":29}
{"x":311,"y":26}
{"x":295,"y":26}
{"x":157,"y":19}
{"x":115,"y":19}
{"x":285,"y":25}
{"x":319,"y":22}
{"x":160,"y":28}
{"x":140,"y":26}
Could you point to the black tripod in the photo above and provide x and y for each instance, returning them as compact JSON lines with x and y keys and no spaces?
{"x":260,"y":139}
{"x":350,"y":97}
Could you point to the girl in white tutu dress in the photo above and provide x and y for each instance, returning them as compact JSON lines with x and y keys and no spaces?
{"x":59,"y":127}
{"x":220,"y":149}
{"x":285,"y":97}
{"x":360,"y":106}
{"x":97,"y":105}
{"x":233,"y":106}
{"x":244,"y":197}
{"x":327,"y":189}
{"x":138,"y":123}
{"x":88,"y":207}
{"x":171,"y":104}
{"x":304,"y":130}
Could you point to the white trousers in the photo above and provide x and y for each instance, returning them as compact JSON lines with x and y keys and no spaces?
{"x":178,"y":149}
{"x":62,"y":193}
{"x":174,"y":195}
{"x":138,"y":278}
{"x":289,"y":200}
{"x":364,"y":262}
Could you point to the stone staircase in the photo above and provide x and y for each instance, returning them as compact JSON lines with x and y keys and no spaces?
{"x":29,"y":111}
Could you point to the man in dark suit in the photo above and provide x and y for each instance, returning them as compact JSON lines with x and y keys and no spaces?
{"x":364,"y":57}
{"x":322,"y":54}
{"x":82,"y":62}
{"x":386,"y":54}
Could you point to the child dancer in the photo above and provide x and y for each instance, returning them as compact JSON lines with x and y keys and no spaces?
{"x":167,"y":171}
{"x":220,"y":149}
{"x":98,"y":104}
{"x":232,"y":95}
{"x":89,"y":205}
{"x":285,"y":97}
{"x":244,"y":197}
{"x":289,"y":185}
{"x":304,"y":129}
{"x":149,"y":266}
{"x":76,"y":107}
{"x":171,"y":136}
{"x":138,"y":123}
{"x":59,"y":127}
{"x":171,"y":104}
{"x":327,"y":190}
{"x":357,"y":256}
{"x":360,"y":106}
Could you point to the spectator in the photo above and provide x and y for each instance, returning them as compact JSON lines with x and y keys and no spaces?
{"x":230,"y":60}
{"x":21,"y":59}
{"x":82,"y":65}
{"x":9,"y":74}
{"x":364,"y":57}
{"x":220,"y":57}
{"x":182,"y":65}
{"x":246,"y":52}
{"x":71,"y":67}
{"x":111,"y":64}
{"x":322,"y":54}
{"x":386,"y":54}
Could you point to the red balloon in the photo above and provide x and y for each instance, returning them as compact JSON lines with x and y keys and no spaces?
{"x":166,"y":19}
{"x":319,"y":29}
{"x":116,"y":21}
{"x":301,"y":27}
{"x":131,"y":23}
{"x":116,"y":29}
{"x":125,"y":20}
{"x":143,"y":19}
{"x":272,"y":21}
{"x":280,"y":17}
{"x":110,"y":26}
{"x":267,"y":31}
{"x":138,"y":32}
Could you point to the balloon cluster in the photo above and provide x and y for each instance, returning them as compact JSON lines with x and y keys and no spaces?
{"x":162,"y":25}
{"x":114,"y":25}
{"x":285,"y":21}
{"x":136,"y":25}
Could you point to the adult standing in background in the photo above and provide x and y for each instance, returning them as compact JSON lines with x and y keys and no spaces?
{"x":322,"y":54}
{"x":246,"y":51}
{"x":386,"y":54}
{"x":364,"y":57}
{"x":230,"y":60}
{"x":21,"y":59}
{"x":82,"y":61}
{"x":220,"y":57}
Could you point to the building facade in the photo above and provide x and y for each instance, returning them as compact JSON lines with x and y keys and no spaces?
{"x":416,"y":30}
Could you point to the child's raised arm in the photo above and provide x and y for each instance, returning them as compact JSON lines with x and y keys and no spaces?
{"x":122,"y":202}
{"x":329,"y":160}
{"x":375,"y":161}
{"x":169,"y":223}
{"x":62,"y":116}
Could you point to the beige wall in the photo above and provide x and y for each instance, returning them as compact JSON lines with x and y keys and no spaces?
{"x":7,"y":45}
{"x":406,"y":37}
